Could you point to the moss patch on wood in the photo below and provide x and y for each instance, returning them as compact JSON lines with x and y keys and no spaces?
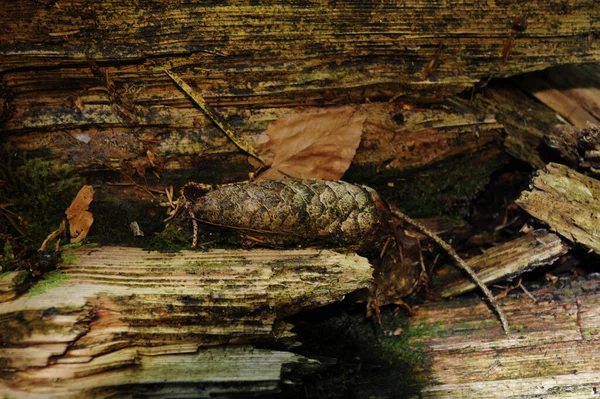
{"x":445,"y":188}
{"x":52,"y":279}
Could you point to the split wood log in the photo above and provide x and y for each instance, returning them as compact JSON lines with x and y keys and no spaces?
{"x":573,"y":91}
{"x":396,"y":136}
{"x":130,"y":164}
{"x":568,"y":201}
{"x":553,"y":351}
{"x":301,"y":52}
{"x":129,"y":318}
{"x":502,"y":262}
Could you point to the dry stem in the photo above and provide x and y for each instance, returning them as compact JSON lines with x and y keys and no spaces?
{"x":461,"y":263}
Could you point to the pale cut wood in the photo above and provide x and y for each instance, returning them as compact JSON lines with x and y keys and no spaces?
{"x":568,"y":201}
{"x":552,"y":351}
{"x":504,"y":261}
{"x":128,"y":316}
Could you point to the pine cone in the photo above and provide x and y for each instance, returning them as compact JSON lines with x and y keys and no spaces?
{"x":298,"y":212}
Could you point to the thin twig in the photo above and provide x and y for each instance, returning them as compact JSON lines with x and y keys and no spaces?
{"x":461,"y":263}
{"x":527,"y":292}
{"x":195,"y":226}
{"x":239,"y":141}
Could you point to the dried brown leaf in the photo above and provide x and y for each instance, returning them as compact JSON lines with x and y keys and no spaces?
{"x":80,"y":219}
{"x":313,"y":143}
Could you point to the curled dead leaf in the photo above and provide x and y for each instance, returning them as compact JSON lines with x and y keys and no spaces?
{"x":317,"y":143}
{"x":79,"y":217}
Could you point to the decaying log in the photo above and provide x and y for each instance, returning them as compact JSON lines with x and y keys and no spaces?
{"x":302,"y":51}
{"x":398,"y":138}
{"x":83,"y":85}
{"x":399,"y":147}
{"x":501,"y":262}
{"x":568,"y":201}
{"x":552,"y":352}
{"x":131,"y":317}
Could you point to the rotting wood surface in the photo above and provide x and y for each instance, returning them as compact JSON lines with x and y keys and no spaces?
{"x":236,"y":51}
{"x":553,"y":351}
{"x":568,"y":201}
{"x":127,"y":316}
{"x":501,"y":262}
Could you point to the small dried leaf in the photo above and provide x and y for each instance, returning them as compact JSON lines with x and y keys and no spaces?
{"x":313,"y":143}
{"x":80,"y":219}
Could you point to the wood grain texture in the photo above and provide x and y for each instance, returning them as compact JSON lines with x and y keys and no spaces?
{"x":552,"y":352}
{"x":128,"y":316}
{"x":573,"y":91}
{"x":568,"y":201}
{"x":502,"y":262}
{"x":258,"y":50}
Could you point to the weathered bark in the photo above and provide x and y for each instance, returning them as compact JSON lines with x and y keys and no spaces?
{"x":553,"y":351}
{"x":568,"y":201}
{"x":131,"y":317}
{"x":501,"y":262}
{"x":255,"y":54}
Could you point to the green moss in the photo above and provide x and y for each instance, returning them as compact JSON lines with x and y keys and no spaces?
{"x":50,"y":280}
{"x":445,"y":188}
{"x":171,"y":239}
{"x":39,"y":193}
{"x":69,"y":258}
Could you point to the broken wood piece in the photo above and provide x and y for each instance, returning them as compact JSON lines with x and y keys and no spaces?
{"x":162,"y":371}
{"x":501,"y":262}
{"x":579,"y":147}
{"x":568,"y":201}
{"x":459,"y":262}
{"x":125,"y":315}
{"x":552,"y":353}
{"x":570,"y":90}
